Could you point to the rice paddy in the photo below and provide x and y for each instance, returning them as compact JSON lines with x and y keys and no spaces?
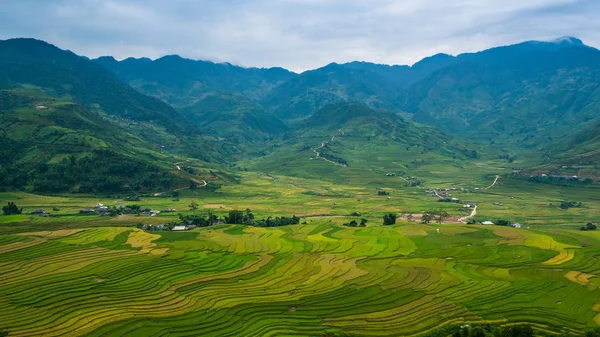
{"x":71,"y":275}
{"x":304,"y":280}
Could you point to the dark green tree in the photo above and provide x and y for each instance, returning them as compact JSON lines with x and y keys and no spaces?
{"x":193,"y":206}
{"x":11,"y":208}
{"x":389,"y":219}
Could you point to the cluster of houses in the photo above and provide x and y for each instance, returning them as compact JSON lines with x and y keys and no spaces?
{"x":103,"y":210}
{"x":490,"y":223}
{"x":543,"y":175}
{"x":445,"y":192}
{"x":162,"y":227}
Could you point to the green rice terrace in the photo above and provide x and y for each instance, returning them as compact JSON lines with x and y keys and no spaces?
{"x":69,"y":274}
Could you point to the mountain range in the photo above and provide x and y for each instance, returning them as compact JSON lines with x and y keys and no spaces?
{"x":58,"y":108}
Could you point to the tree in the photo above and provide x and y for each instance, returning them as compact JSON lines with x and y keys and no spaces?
{"x":193,"y":185}
{"x":409,"y":217}
{"x":589,"y":227}
{"x":363,"y":222}
{"x":389,"y":219}
{"x":11,"y":208}
{"x":352,"y":223}
{"x":427,"y":217}
{"x":441,"y":215}
{"x":193,"y":206}
{"x":235,"y":217}
{"x":248,"y":218}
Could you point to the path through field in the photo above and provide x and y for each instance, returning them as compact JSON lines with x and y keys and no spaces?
{"x":494,"y":183}
{"x":472,"y":215}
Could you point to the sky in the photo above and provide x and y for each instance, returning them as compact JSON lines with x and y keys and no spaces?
{"x":295,"y":34}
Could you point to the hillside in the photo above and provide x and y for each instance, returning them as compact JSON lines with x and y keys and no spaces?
{"x":527,"y":95}
{"x":349,"y":139}
{"x":62,"y":74}
{"x":181,"y":82}
{"x":234,"y":118}
{"x":52,"y":145}
{"x":579,"y":155}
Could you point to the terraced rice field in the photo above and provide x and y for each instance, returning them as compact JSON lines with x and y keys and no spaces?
{"x":304,"y":280}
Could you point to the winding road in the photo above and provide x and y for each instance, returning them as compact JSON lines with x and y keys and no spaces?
{"x":494,"y":183}
{"x":325,"y":159}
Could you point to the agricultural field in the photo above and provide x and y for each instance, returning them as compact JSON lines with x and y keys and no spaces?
{"x":76,"y":275}
{"x":304,"y":280}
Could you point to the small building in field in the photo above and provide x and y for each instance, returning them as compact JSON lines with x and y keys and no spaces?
{"x":179,"y":228}
{"x":516,"y":225}
{"x":87,"y":211}
{"x":38,"y":212}
{"x":487,"y":223}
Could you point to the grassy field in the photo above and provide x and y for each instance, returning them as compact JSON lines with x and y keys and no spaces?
{"x":100,"y":276}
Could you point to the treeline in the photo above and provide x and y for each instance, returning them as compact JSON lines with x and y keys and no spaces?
{"x":488,"y":330}
{"x":235,"y":217}
{"x":354,"y":223}
{"x":554,"y":179}
{"x":570,"y":204}
{"x":334,"y":158}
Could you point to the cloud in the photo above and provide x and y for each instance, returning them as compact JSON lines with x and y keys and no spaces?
{"x":296,"y":34}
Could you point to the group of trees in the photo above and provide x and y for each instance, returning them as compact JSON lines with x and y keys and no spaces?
{"x":556,"y":180}
{"x":520,"y":330}
{"x":235,"y":217}
{"x":238,"y":217}
{"x":570,"y":204}
{"x":354,"y":223}
{"x":389,"y":219}
{"x":11,"y":209}
{"x":588,"y":227}
{"x":502,"y":222}
{"x":436,"y":215}
{"x":383,"y":193}
{"x":203,"y":220}
{"x":277,"y":221}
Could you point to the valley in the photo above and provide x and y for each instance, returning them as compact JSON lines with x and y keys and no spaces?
{"x":176,"y":197}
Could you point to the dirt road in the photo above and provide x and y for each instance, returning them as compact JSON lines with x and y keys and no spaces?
{"x":494,"y":183}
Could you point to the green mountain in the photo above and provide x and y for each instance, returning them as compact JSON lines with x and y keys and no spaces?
{"x":68,"y":124}
{"x":182,"y":82}
{"x":527,"y":95}
{"x":62,"y":74}
{"x":348,"y":138}
{"x":234,"y":118}
{"x":300,"y":96}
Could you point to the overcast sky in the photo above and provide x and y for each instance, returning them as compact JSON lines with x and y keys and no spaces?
{"x":295,"y":34}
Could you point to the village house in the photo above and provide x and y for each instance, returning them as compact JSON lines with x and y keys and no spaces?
{"x":179,"y":228}
{"x":516,"y":225}
{"x":487,"y":223}
{"x":153,"y":212}
{"x":39,"y":212}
